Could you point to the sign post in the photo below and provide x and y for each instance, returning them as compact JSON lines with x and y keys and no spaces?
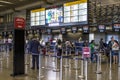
{"x":18,"y":50}
{"x":85,"y":56}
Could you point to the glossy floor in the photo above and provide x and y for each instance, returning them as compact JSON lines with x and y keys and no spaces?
{"x":59,"y":69}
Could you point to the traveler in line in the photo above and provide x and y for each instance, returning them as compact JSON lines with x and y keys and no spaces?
{"x":114,"y":46}
{"x":35,"y":50}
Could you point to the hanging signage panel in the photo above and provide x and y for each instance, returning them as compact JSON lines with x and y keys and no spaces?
{"x":49,"y":31}
{"x":74,"y":29}
{"x":63,"y":30}
{"x":116,"y":27}
{"x":101,"y":28}
{"x":85,"y":29}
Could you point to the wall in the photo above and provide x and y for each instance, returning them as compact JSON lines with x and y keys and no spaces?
{"x":98,"y":36}
{"x":72,"y":36}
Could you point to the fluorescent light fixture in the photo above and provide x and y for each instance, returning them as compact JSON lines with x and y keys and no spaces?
{"x":1,"y":5}
{"x":6,"y":2}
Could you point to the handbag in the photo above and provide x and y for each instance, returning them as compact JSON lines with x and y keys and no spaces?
{"x":115,"y":46}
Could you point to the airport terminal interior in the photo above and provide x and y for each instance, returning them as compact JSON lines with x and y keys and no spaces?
{"x":59,"y":39}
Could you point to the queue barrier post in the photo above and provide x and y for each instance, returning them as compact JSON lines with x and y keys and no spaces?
{"x":99,"y":63}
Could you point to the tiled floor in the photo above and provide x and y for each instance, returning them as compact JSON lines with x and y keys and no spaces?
{"x":66,"y":69}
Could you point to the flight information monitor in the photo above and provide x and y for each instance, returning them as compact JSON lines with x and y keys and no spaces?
{"x":54,"y":16}
{"x":37,"y":17}
{"x":75,"y":11}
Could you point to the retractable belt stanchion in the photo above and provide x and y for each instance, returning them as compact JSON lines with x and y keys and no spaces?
{"x":30,"y":60}
{"x":47,"y":50}
{"x":55,"y":53}
{"x":40,"y":70}
{"x":110,"y":72}
{"x":66,"y":60}
{"x":76,"y":57}
{"x":48,"y":60}
{"x":118,"y":73}
{"x":1,"y":56}
{"x":26,"y":59}
{"x":61,"y":67}
{"x":76,"y":63}
{"x":70,"y":51}
{"x":7,"y":50}
{"x":56,"y":61}
{"x":99,"y":77}
{"x":7,"y":63}
{"x":119,"y":58}
{"x":99,"y":63}
{"x":82,"y":68}
{"x":56,"y":66}
{"x":1,"y":66}
{"x":76,"y":51}
{"x":86,"y":69}
{"x":42,"y":59}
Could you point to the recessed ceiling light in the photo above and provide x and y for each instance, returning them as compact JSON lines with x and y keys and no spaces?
{"x":6,"y":2}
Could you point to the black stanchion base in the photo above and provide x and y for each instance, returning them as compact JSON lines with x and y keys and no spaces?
{"x":56,"y":70}
{"x":20,"y":74}
{"x":76,"y":68}
{"x":98,"y":72}
{"x":81,"y":77}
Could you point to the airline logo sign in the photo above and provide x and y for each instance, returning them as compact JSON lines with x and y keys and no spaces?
{"x":19,"y":23}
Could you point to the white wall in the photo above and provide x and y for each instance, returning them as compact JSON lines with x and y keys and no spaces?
{"x":98,"y":36}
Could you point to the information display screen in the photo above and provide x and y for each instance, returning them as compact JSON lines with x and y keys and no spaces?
{"x":116,"y":27}
{"x":102,"y":28}
{"x":74,"y":29}
{"x":54,"y":15}
{"x":75,"y":11}
{"x":85,"y":29}
{"x":38,"y":17}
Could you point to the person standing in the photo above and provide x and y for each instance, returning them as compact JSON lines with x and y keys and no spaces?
{"x":92,"y":49}
{"x":101,"y":45}
{"x":10,"y":43}
{"x":85,"y":43}
{"x":59,"y":47}
{"x":35,"y":50}
{"x":114,"y":46}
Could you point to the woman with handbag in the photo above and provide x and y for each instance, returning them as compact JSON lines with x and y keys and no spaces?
{"x":114,"y":46}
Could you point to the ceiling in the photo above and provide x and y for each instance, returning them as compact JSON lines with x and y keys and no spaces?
{"x":17,"y":4}
{"x":12,"y":4}
{"x":6,"y":5}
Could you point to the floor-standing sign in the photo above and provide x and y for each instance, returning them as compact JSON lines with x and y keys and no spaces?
{"x":86,"y":56}
{"x":18,"y":49}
